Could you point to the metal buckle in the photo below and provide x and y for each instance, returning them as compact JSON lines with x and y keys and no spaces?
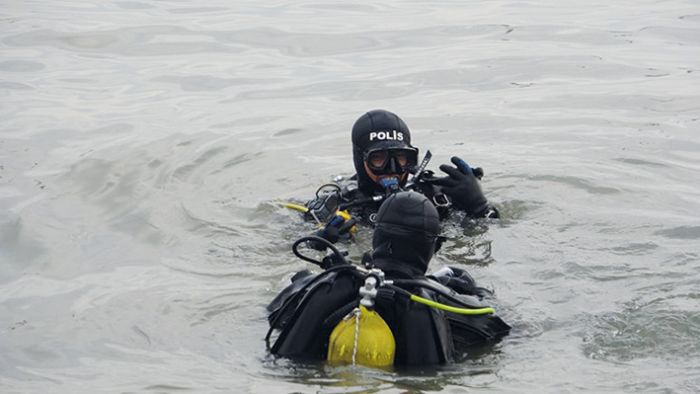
{"x":440,"y":200}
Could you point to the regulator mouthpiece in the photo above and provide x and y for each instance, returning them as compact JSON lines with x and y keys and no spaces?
{"x":390,"y":185}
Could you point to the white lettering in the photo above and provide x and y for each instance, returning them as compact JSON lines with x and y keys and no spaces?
{"x":386,"y":135}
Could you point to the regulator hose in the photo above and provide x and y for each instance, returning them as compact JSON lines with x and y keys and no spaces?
{"x":465,"y":310}
{"x":314,"y":238}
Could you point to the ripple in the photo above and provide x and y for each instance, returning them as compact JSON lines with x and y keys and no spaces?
{"x":692,"y":18}
{"x":204,"y":83}
{"x":132,"y":41}
{"x":242,"y":158}
{"x":289,"y":131}
{"x":467,"y":243}
{"x":363,"y":8}
{"x":184,"y":171}
{"x":576,"y":182}
{"x":19,"y":246}
{"x":197,"y":224}
{"x":21,"y":66}
{"x":246,"y":121}
{"x":133,"y":5}
{"x":675,"y":35}
{"x":485,"y":75}
{"x":640,"y":162}
{"x":559,"y":33}
{"x":682,"y":232}
{"x":512,"y":210}
{"x":338,"y":90}
{"x":159,"y":388}
{"x":197,"y":10}
{"x":634,"y":248}
{"x":90,"y":41}
{"x":15,"y":86}
{"x":651,"y":330}
{"x":325,"y":44}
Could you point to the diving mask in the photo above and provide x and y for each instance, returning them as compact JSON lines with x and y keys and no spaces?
{"x":391,"y":161}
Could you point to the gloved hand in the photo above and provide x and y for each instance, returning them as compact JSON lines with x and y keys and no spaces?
{"x":460,"y":281}
{"x":335,"y":229}
{"x":463,"y":188}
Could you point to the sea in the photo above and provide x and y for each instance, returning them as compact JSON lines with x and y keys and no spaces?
{"x":146,"y":146}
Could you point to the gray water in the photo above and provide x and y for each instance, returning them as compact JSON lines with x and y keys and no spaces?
{"x":143,"y":145}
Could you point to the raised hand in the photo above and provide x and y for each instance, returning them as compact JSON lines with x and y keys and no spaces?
{"x":462,"y":186}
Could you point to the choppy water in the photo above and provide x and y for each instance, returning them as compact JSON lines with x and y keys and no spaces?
{"x":142,"y":145}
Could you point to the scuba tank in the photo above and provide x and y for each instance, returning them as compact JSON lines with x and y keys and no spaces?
{"x":363,"y":337}
{"x":335,"y":315}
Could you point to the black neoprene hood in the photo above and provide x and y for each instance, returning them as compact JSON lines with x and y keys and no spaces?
{"x":405,"y":232}
{"x":376,"y":129}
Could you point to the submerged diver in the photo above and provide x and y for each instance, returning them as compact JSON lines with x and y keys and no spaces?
{"x":383,"y":158}
{"x":400,"y":319}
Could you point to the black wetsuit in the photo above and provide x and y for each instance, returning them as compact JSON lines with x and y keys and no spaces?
{"x":307,"y":311}
{"x":363,"y":202}
{"x":386,"y":137}
{"x":405,"y":238}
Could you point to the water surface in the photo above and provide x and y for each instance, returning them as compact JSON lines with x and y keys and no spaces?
{"x":143,"y":144}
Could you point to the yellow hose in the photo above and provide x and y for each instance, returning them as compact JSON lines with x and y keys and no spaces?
{"x":295,"y":207}
{"x":453,"y":309}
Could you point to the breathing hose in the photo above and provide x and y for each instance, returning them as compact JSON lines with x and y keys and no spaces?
{"x":453,"y":309}
{"x":296,"y":207}
{"x":314,"y":238}
{"x":433,"y":287}
{"x":439,"y":305}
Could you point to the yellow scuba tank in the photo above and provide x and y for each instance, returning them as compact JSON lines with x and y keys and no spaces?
{"x":363,"y":338}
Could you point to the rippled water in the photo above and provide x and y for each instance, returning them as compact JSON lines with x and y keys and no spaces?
{"x":143,"y":144}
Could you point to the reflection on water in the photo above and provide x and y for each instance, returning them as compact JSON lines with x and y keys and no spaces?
{"x":144,"y":145}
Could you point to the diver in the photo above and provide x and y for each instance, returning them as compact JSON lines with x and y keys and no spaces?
{"x":384,"y":159}
{"x":388,"y":312}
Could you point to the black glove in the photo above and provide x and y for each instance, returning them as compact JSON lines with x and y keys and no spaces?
{"x":335,"y":229}
{"x":463,"y":188}
{"x":460,"y":281}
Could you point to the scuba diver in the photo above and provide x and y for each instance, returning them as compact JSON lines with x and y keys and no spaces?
{"x":386,"y":312}
{"x":384,"y":158}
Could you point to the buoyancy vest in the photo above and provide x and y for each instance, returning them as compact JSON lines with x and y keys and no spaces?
{"x":422,"y":334}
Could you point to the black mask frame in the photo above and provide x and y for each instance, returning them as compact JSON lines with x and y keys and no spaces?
{"x":391,"y":163}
